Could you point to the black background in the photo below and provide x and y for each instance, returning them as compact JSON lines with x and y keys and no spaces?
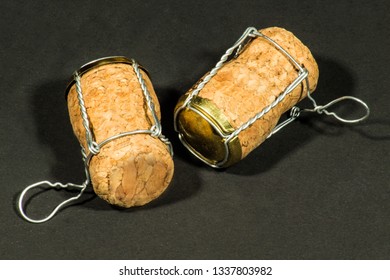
{"x":316,"y":190}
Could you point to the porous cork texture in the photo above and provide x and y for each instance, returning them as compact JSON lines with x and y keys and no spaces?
{"x":128,"y":171}
{"x":246,"y":85}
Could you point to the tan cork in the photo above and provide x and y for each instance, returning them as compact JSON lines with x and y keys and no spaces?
{"x":129,"y":171}
{"x":246,"y":85}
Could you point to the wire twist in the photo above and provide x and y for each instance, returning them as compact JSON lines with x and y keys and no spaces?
{"x":156,"y":128}
{"x":93,"y":147}
{"x":249,"y":32}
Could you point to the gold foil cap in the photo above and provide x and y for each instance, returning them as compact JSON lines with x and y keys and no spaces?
{"x":203,"y":129}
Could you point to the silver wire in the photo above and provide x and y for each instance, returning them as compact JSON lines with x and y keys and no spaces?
{"x":157,"y":125}
{"x":237,"y":46}
{"x":58,"y":207}
{"x":320,"y":109}
{"x":92,"y":145}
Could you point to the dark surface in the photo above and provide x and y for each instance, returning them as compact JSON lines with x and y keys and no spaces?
{"x":316,"y":190}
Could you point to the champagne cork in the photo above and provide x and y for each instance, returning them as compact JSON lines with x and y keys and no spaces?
{"x":128,"y":171}
{"x":244,"y":86}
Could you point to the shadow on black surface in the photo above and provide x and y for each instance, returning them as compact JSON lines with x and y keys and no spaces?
{"x":54,"y":130}
{"x":335,"y":81}
{"x":374,"y":129}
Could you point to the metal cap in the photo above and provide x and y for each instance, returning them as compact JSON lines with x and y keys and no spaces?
{"x":203,"y":129}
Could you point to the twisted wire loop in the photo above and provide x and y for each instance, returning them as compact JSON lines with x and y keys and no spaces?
{"x":94,"y":148}
{"x":322,"y":109}
{"x":57,"y":185}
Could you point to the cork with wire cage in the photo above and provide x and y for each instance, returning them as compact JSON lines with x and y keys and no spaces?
{"x":241,"y":88}
{"x":131,"y":170}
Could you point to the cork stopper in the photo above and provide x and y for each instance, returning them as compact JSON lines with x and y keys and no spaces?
{"x":243,"y":87}
{"x":128,"y":171}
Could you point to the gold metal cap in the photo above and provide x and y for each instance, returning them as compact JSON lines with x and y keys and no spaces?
{"x":203,"y":129}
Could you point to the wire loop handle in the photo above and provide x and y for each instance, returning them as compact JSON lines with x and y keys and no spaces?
{"x":295,"y":112}
{"x":58,"y":207}
{"x":320,"y":109}
{"x":93,"y":147}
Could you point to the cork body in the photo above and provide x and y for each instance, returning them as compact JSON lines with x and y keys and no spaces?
{"x":128,"y":171}
{"x":247,"y":84}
